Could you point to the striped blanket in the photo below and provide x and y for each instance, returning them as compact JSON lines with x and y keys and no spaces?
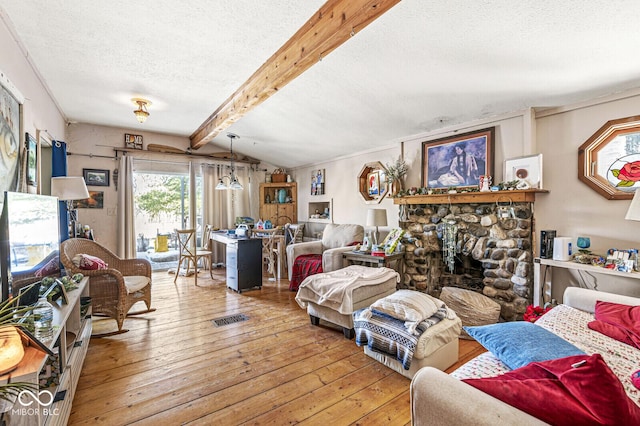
{"x":387,"y":335}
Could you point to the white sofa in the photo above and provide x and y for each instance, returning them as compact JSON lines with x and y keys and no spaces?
{"x":335,"y":241}
{"x":441,"y":399}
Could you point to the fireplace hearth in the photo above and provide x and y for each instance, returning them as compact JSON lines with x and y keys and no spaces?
{"x":493,"y":251}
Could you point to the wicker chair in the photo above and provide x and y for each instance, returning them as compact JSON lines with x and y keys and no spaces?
{"x":109,"y":287}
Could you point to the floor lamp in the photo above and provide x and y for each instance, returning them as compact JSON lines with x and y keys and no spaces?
{"x":68,"y":189}
{"x":376,"y":217}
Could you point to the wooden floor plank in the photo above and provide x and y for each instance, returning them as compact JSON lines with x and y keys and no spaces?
{"x":174,"y":366}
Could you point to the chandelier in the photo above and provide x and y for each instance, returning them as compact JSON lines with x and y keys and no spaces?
{"x":141,"y":113}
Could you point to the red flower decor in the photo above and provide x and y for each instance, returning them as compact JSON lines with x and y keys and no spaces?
{"x":534,"y":312}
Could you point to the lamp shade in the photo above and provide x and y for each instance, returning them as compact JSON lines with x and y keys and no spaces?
{"x":377,"y":217}
{"x":68,"y":188}
{"x":634,"y":208}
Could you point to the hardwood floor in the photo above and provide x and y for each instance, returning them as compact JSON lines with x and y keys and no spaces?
{"x":174,"y":366}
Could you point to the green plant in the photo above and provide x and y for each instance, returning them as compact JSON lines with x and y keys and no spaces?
{"x":396,"y":170}
{"x":10,"y":311}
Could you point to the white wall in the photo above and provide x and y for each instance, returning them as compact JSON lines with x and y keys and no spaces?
{"x":39,"y":110}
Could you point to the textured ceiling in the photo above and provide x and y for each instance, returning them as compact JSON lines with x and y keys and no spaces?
{"x":421,"y":66}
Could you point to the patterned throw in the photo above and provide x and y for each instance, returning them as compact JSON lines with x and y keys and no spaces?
{"x":387,"y":335}
{"x":304,"y":266}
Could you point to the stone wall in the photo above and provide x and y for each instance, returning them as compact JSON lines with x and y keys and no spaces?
{"x":494,"y":252}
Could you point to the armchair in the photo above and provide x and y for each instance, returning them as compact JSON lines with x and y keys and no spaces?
{"x":117,"y":288}
{"x":335,"y":241}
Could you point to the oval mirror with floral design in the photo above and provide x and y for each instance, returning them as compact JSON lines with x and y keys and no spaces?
{"x":609,"y":161}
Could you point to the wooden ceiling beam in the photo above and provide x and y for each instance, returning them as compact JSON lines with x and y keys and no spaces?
{"x":333,"y":24}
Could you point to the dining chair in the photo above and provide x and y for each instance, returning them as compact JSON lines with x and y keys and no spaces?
{"x":189,"y":253}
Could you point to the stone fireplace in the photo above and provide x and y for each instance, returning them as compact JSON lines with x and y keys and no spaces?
{"x":493,"y":249}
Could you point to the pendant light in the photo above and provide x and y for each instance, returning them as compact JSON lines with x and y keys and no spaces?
{"x":233,"y":179}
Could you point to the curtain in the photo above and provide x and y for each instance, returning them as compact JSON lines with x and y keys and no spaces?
{"x":59,"y":168}
{"x":126,"y":218}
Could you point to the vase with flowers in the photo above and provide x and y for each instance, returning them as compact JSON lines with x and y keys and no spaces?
{"x":396,"y":171}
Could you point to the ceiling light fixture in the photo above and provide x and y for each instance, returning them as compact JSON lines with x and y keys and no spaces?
{"x":141,"y":113}
{"x":233,"y":179}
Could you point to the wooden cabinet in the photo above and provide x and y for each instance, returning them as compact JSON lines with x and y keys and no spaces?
{"x":54,"y":376}
{"x":270,"y":207}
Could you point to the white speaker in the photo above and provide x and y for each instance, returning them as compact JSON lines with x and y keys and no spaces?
{"x":562,"y":248}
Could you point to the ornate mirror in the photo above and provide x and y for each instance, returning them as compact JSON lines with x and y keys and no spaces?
{"x":609,"y":161}
{"x":372,"y":182}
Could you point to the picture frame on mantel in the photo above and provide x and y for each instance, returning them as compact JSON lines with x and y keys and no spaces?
{"x":458,"y":161}
{"x":524,"y":169}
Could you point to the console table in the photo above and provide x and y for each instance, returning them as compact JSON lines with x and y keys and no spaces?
{"x":393,"y":261}
{"x":543,"y":274}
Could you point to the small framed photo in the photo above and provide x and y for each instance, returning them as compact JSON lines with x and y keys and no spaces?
{"x":95,"y":201}
{"x":32,"y":160}
{"x":132,"y":141}
{"x":527,"y":169}
{"x":96,"y":177}
{"x":57,"y":291}
{"x":317,"y":182}
{"x":373,"y":183}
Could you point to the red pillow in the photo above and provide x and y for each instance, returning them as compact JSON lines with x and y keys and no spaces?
{"x":88,"y":262}
{"x":50,"y":268}
{"x":620,"y":322}
{"x":558,"y":393}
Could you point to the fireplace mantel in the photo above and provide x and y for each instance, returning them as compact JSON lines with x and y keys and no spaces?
{"x":515,"y":196}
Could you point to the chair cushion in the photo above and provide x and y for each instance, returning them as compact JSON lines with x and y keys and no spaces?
{"x":88,"y":262}
{"x":52,"y":267}
{"x":135,"y":283}
{"x":335,"y":236}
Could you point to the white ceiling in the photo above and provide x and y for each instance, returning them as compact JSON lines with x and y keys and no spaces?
{"x":421,"y":66}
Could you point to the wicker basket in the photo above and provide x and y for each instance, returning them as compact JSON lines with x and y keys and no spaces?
{"x":278,"y":178}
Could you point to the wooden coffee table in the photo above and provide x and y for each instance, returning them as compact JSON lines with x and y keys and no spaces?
{"x":394,"y":261}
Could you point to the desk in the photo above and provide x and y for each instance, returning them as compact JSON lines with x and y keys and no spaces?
{"x":244,"y":261}
{"x":355,"y":258}
{"x":543,"y":269}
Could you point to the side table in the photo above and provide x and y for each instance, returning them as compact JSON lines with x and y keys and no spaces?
{"x":394,"y":261}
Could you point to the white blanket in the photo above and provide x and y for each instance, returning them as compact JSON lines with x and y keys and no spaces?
{"x":335,"y":289}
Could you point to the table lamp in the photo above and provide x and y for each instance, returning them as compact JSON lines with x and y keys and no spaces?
{"x":68,"y":189}
{"x":376,"y":217}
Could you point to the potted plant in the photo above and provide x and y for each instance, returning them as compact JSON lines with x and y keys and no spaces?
{"x":12,"y":350}
{"x":396,"y":171}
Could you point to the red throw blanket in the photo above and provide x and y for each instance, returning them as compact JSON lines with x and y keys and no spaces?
{"x":620,"y":322}
{"x":303,"y":266}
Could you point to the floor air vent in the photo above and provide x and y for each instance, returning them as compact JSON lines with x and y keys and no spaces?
{"x":231,"y":319}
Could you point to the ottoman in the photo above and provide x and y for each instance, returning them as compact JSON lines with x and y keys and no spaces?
{"x":334,"y":296}
{"x":391,"y":341}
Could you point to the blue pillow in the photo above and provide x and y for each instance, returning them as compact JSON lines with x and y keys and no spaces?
{"x":518,"y":343}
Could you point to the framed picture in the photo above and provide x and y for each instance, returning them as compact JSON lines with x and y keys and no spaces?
{"x":526,"y":169}
{"x":95,"y":201}
{"x":10,"y":125}
{"x":317,"y":182}
{"x":96,"y":177}
{"x":458,"y":161}
{"x":32,"y":160}
{"x":132,"y":141}
{"x":373,"y":183}
{"x":56,"y":291}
